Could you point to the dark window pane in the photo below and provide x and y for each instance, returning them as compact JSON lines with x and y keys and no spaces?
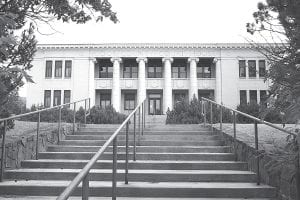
{"x":262,"y":68}
{"x":57,"y":97}
{"x":252,"y":68}
{"x":242,"y":68}
{"x":58,"y":69}
{"x":68,"y":68}
{"x":48,"y":73}
{"x":105,"y":99}
{"x":47,"y":98}
{"x":67,"y":96}
{"x":253,"y":96}
{"x":263,"y":97}
{"x":129,"y":101}
{"x":243,"y":97}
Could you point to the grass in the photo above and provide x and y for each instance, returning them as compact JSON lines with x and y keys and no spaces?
{"x":268,"y":137}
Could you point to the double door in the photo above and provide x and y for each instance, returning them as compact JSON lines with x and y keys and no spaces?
{"x":155,"y":104}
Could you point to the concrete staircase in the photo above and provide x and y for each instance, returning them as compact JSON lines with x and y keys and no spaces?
{"x":173,"y":162}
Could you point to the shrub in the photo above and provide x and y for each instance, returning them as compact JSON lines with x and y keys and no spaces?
{"x":107,"y":115}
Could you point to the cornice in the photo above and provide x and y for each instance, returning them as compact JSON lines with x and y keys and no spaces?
{"x":148,"y":46}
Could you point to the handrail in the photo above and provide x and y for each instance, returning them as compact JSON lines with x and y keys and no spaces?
{"x":59,"y":107}
{"x":256,"y":121}
{"x":251,"y":117}
{"x":83,"y":175}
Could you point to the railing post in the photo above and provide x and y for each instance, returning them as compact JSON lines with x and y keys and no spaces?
{"x":134,"y":137}
{"x":59,"y":124}
{"x":74,"y":118}
{"x":142,"y":118}
{"x":37,"y":137}
{"x":3,"y":152}
{"x":221,"y":118}
{"x":256,"y":148}
{"x":114,"y":169}
{"x":85,"y":187}
{"x":204,"y":113}
{"x":139,"y":122}
{"x":297,"y":166}
{"x":144,"y":115}
{"x":126,"y":154}
{"x":211,"y":115}
{"x":234,"y":135}
{"x":85,"y":106}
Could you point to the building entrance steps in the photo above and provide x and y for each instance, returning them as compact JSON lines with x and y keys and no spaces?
{"x":173,"y":162}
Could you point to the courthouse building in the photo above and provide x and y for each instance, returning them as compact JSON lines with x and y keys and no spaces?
{"x":124,"y":74}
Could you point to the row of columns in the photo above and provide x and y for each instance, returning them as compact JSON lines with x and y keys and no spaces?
{"x":167,"y":93}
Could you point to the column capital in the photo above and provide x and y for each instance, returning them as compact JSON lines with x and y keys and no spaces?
{"x":118,"y":59}
{"x":193,"y":59}
{"x":167,"y":59}
{"x":216,"y":59}
{"x":94,"y":60}
{"x":142,"y":59}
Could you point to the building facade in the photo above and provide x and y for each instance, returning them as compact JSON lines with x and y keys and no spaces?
{"x":122,"y":75}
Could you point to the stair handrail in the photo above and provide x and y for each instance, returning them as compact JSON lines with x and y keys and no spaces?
{"x":87,"y":110}
{"x":256,"y":121}
{"x":83,"y":175}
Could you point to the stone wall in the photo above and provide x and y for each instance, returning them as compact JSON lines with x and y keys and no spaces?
{"x":25,"y":148}
{"x":281,"y":179}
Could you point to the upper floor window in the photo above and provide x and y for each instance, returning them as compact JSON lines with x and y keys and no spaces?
{"x":56,"y":97}
{"x":104,"y":67}
{"x":130,"y":69}
{"x":155,"y":68}
{"x":179,"y":67}
{"x":204,"y":68}
{"x":58,"y":69}
{"x":47,"y":98}
{"x":68,"y":68}
{"x":252,"y":68}
{"x":129,"y":101}
{"x":262,"y":68}
{"x":242,"y":68}
{"x":243,"y":97}
{"x":48,"y":73}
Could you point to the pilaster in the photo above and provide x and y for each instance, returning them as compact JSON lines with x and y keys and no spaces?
{"x":91,"y":89}
{"x":218,"y":89}
{"x":142,"y":79}
{"x":167,"y":94}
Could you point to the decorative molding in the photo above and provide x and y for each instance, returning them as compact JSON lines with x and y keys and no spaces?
{"x":142,"y":59}
{"x":193,"y":59}
{"x":116,"y":59}
{"x":167,"y":58}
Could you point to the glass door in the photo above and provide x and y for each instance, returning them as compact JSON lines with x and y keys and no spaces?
{"x":154,"y":104}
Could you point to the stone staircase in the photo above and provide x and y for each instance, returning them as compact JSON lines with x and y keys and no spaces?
{"x":173,"y":162}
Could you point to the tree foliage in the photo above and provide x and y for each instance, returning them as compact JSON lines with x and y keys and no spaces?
{"x":278,"y":23}
{"x":19,"y":20}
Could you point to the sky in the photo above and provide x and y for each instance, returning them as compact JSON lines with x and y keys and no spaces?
{"x":159,"y":21}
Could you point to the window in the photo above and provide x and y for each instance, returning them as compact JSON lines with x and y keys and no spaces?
{"x":243,"y":97}
{"x":242,"y":68}
{"x":68,"y":68}
{"x":155,"y":72}
{"x":47,"y":98}
{"x":56,"y":97}
{"x":179,"y":72}
{"x":263,"y":97}
{"x":179,"y":97}
{"x":48,"y":73}
{"x":105,"y":68}
{"x":204,"y":68}
{"x":209,"y":94}
{"x":130,"y":68}
{"x":252,"y":68}
{"x":105,"y":100}
{"x":129,"y":102}
{"x":253,"y":96}
{"x":67,"y":96}
{"x":58,"y":69}
{"x":262,"y":68}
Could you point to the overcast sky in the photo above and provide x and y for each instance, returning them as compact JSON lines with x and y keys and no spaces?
{"x":181,"y":21}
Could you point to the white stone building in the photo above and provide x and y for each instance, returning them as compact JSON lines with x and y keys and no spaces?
{"x":124,"y":74}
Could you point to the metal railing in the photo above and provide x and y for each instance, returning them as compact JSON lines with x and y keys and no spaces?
{"x":87,"y":106}
{"x":234,"y":121}
{"x":83,"y":175}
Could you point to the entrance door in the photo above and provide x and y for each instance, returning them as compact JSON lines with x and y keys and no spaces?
{"x":154,"y":104}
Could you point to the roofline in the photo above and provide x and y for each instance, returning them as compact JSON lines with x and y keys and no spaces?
{"x":149,"y":45}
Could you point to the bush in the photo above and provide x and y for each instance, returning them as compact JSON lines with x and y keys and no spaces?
{"x":107,"y":115}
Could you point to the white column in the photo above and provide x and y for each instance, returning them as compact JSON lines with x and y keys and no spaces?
{"x":193,"y":91}
{"x":91,"y":79}
{"x":141,"y":95}
{"x":168,"y":84}
{"x":116,"y":91}
{"x":218,"y":90}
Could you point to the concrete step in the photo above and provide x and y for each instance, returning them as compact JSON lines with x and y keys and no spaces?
{"x":143,"y":143}
{"x":147,"y":137}
{"x":147,"y":132}
{"x":139,"y":164}
{"x":143,"y":189}
{"x":135,"y":175}
{"x":139,"y":156}
{"x":143,"y":149}
{"x":7,"y":197}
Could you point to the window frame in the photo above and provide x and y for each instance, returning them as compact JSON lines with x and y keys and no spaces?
{"x":58,"y":69}
{"x":47,"y":98}
{"x":262,"y":69}
{"x":242,"y":68}
{"x":59,"y":97}
{"x":47,"y":67}
{"x":102,"y":99}
{"x":65,"y":92}
{"x":250,"y":96}
{"x":179,"y":71}
{"x":68,"y":75}
{"x":252,"y":69}
{"x":131,"y":72}
{"x":130,"y":100}
{"x":243,"y":97}
{"x":155,"y":73}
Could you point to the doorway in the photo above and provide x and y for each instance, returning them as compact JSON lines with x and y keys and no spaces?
{"x":155,"y":104}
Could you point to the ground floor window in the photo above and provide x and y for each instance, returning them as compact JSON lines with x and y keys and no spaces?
{"x":209,"y":94}
{"x":56,"y":97}
{"x":67,"y":97}
{"x":253,"y":96}
{"x":129,"y":103}
{"x":47,"y":98}
{"x":243,"y":97}
{"x":179,"y":97}
{"x":105,"y":100}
